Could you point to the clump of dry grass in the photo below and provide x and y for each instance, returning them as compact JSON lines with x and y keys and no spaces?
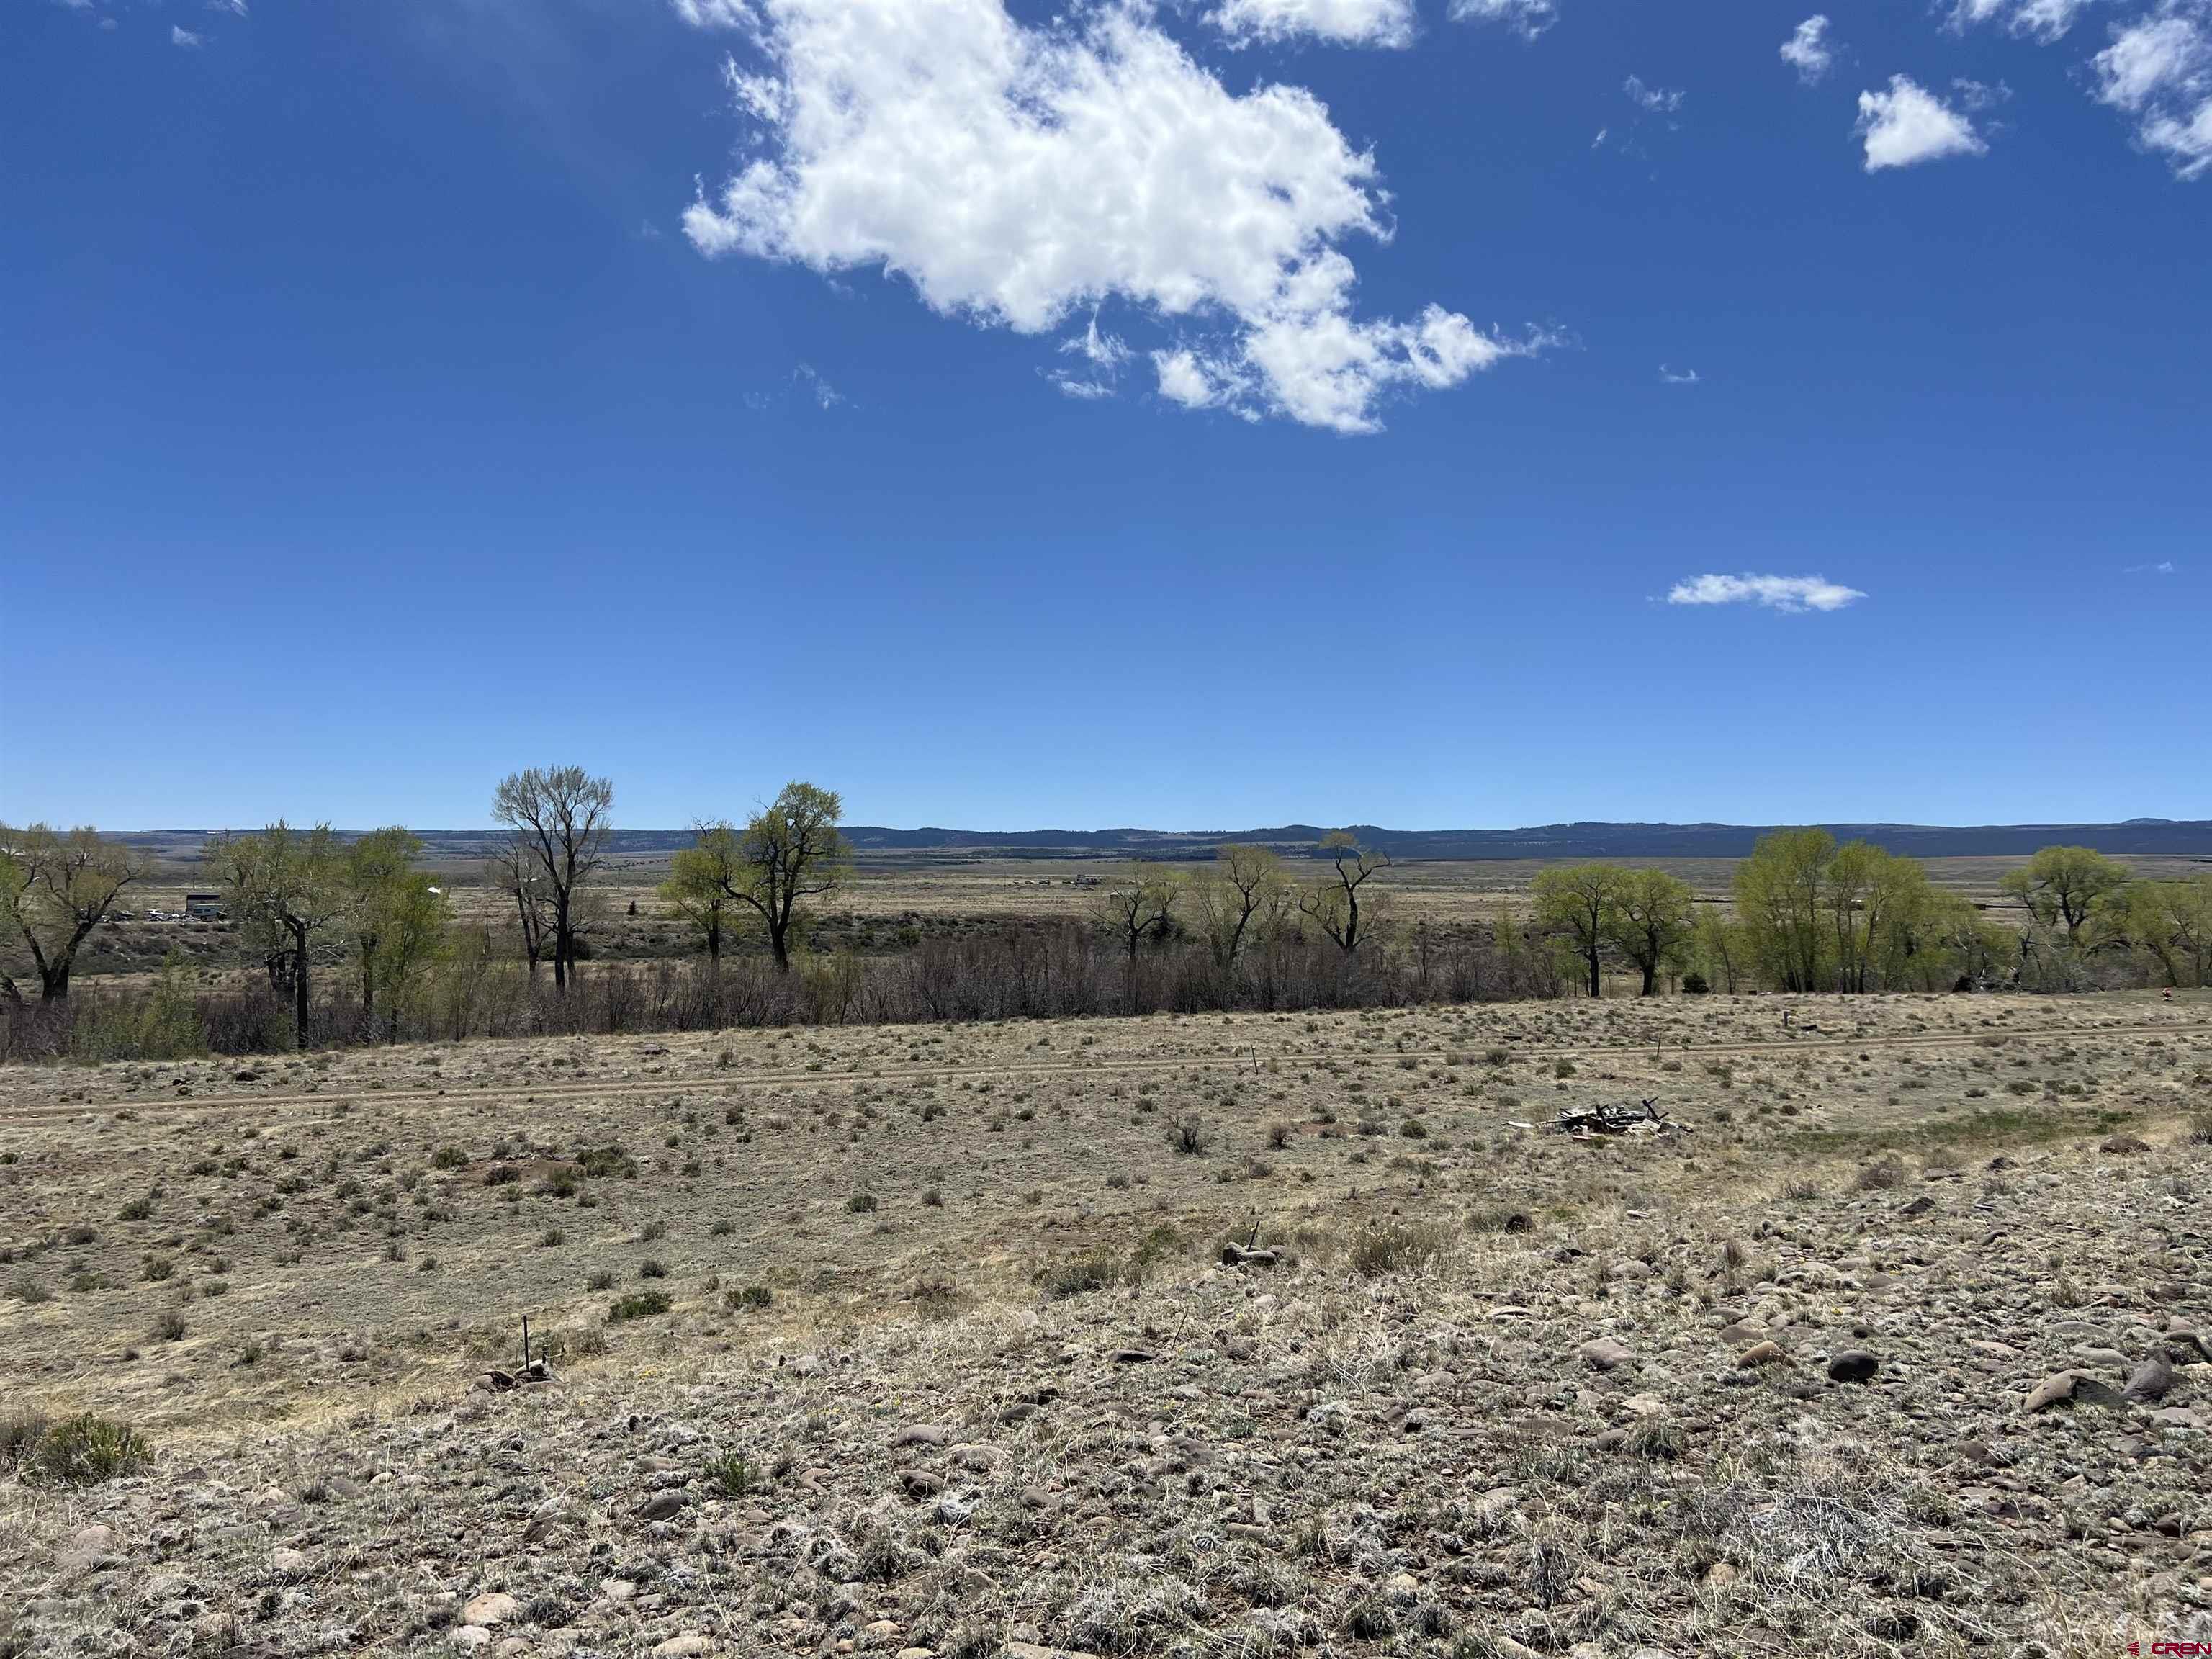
{"x":1396,"y":1246}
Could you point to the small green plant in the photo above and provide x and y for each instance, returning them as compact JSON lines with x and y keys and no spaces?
{"x":752,"y":1295}
{"x":732,"y":1474}
{"x":646,"y":1305}
{"x":449,"y":1158}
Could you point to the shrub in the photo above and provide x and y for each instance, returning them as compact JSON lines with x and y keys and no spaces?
{"x":644,"y":1305}
{"x":449,"y":1158}
{"x":610,"y":1159}
{"x":861,"y":1203}
{"x":1887,"y":1171}
{"x":752,"y":1295}
{"x":1190,"y":1135}
{"x":169,"y":1327}
{"x":1092,"y":1270}
{"x":84,"y":1451}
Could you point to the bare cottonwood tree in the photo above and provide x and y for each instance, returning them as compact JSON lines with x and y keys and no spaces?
{"x":1335,"y":905}
{"x":560,"y":815}
{"x":54,"y":889}
{"x":1239,"y":898}
{"x":1140,"y":907}
{"x":513,"y":871}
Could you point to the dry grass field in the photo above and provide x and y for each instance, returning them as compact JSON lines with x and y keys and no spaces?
{"x":923,"y":1339}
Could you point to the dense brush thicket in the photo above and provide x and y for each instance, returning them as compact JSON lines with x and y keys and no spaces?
{"x":1016,"y":973}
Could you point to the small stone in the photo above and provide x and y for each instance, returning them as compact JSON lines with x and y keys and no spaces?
{"x":1131,"y":1357}
{"x":920,"y":1434}
{"x":1603,"y":1353}
{"x":661,"y":1506}
{"x":1854,"y":1365}
{"x":471,"y":1636}
{"x":921,"y":1483}
{"x":689,"y":1645}
{"x":496,"y":1608}
{"x":617,"y":1589}
{"x":2149,"y":1380}
{"x":1762,"y":1353}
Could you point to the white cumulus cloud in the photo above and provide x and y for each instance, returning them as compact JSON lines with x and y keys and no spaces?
{"x":1345,"y":23}
{"x":1908,"y":124}
{"x":1808,"y":50}
{"x":1527,"y":18}
{"x":1776,"y":592}
{"x":1015,"y":173}
{"x":182,"y":37}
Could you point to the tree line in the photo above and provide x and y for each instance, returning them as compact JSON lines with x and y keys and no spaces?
{"x":1809,"y":914}
{"x":1244,"y":928}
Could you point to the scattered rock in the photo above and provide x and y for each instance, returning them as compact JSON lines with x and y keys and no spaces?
{"x":1854,"y":1365}
{"x":496,"y":1608}
{"x":2080,"y":1386}
{"x":662,"y":1505}
{"x":1762,"y":1353}
{"x":689,"y":1645}
{"x":2149,"y":1380}
{"x":1604,"y":1354}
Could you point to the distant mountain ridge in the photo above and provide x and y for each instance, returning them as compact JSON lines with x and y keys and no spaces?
{"x":2162,"y":836}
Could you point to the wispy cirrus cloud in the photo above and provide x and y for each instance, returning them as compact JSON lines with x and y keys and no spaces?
{"x":1340,"y":23}
{"x":2158,"y":70}
{"x":1525,"y":18}
{"x":1792,"y":594}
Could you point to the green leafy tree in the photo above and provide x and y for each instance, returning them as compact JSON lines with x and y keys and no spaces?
{"x":788,"y":853}
{"x":396,"y":915}
{"x":701,"y":878}
{"x":1581,"y":904}
{"x":284,"y":887}
{"x":561,"y":818}
{"x":1781,"y":900}
{"x":1720,"y":950}
{"x":2066,"y":887}
{"x":1651,"y":923}
{"x":2172,"y":922}
{"x":55,"y":889}
{"x":1334,"y":903}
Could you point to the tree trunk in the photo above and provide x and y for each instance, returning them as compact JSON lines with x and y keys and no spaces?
{"x":299,"y":984}
{"x":1650,"y":978}
{"x":779,"y":945}
{"x":1597,"y":985}
{"x":54,"y":983}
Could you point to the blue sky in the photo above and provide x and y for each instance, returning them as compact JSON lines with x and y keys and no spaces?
{"x":1199,"y":416}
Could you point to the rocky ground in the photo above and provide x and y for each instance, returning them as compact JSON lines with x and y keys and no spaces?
{"x":1886,"y":1354}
